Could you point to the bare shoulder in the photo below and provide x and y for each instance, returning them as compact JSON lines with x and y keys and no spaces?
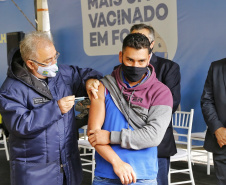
{"x":100,"y":93}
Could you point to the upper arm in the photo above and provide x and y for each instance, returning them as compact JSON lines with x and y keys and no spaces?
{"x":207,"y":95}
{"x":208,"y":106}
{"x":97,"y":110}
{"x":172,"y":81}
{"x":76,"y":77}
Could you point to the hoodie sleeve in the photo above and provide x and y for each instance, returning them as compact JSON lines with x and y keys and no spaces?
{"x":152,"y":133}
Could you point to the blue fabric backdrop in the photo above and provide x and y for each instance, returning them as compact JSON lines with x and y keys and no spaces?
{"x":201,"y":39}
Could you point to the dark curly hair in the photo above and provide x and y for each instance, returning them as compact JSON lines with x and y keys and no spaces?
{"x":136,"y":41}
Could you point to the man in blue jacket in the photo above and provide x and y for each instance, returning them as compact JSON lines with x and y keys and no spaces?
{"x":167,"y":72}
{"x":36,"y":101}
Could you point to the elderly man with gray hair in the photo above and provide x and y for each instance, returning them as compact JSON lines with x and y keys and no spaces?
{"x":36,"y":101}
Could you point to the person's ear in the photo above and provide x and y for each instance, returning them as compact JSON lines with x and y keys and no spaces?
{"x":120,"y":56}
{"x":30,"y":64}
{"x":152,"y":44}
{"x":149,"y":57}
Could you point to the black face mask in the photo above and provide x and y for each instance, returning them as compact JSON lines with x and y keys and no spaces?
{"x":133,"y":74}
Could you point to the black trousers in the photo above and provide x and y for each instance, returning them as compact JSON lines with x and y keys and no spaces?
{"x":220,"y":168}
{"x":162,"y":177}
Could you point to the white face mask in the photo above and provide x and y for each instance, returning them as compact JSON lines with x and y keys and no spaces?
{"x":48,"y":71}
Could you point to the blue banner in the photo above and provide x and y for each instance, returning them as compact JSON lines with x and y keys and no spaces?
{"x":88,"y":33}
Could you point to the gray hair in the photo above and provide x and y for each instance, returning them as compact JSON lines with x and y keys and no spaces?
{"x":32,"y":42}
{"x":144,"y":26}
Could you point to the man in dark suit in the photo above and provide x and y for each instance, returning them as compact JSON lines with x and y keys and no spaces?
{"x":168,"y":72}
{"x":213,"y":103}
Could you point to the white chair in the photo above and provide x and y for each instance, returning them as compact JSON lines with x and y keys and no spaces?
{"x":84,"y":144}
{"x":200,"y":136}
{"x":4,"y":142}
{"x":182,"y":123}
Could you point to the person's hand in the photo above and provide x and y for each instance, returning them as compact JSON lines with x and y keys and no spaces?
{"x":66,"y":103}
{"x":220,"y":134}
{"x":92,"y":87}
{"x":124,"y":171}
{"x":101,"y":137}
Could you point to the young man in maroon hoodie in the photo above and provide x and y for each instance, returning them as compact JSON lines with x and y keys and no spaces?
{"x":133,"y":110}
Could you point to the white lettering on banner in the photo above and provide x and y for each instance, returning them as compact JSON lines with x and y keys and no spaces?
{"x":107,"y":22}
{"x":2,"y":38}
{"x":102,"y":4}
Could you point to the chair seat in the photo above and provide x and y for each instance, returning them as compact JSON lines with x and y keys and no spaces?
{"x":198,"y":135}
{"x":84,"y":143}
{"x":180,"y":154}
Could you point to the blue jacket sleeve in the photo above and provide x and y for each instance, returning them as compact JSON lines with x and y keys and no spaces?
{"x":24,"y":122}
{"x":76,"y":77}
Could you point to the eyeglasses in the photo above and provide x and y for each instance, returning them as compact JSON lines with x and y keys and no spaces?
{"x":49,"y":61}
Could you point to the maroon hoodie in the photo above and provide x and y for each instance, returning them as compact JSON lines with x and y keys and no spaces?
{"x":147,"y":108}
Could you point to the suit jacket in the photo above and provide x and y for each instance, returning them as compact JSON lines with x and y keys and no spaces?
{"x":168,"y":72}
{"x":213,"y":104}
